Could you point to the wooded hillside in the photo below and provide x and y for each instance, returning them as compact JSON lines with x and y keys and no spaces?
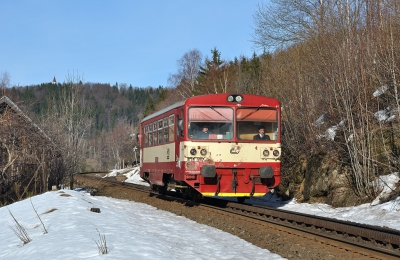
{"x":105,"y":115}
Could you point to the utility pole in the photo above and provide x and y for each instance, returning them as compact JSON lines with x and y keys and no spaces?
{"x":134,"y":150}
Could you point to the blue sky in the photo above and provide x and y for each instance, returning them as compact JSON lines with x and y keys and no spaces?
{"x":132,"y":42}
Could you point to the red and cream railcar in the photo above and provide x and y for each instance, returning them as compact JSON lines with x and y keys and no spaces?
{"x":225,"y":162}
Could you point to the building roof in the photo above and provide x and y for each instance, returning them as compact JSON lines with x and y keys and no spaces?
{"x":16,"y":109}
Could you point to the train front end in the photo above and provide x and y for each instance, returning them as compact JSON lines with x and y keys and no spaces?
{"x":232,"y":146}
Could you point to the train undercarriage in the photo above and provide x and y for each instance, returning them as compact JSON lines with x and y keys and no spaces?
{"x":186,"y":191}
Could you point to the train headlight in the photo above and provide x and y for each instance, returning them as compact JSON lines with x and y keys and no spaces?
{"x":275,"y":153}
{"x":193,"y":151}
{"x":265,"y":153}
{"x":235,"y":98}
{"x":203,"y":152}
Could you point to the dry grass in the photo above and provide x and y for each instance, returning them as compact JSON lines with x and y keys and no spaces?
{"x":20,"y":231}
{"x":44,"y":228}
{"x":101,"y":244}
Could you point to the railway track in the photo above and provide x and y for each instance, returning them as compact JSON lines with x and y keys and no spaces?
{"x":360,"y":240}
{"x":372,"y":241}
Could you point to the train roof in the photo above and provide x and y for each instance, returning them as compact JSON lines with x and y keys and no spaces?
{"x":215,"y":99}
{"x":162,"y":111}
{"x":221,"y":98}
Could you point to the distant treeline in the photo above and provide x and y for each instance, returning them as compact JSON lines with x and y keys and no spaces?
{"x":107,"y":104}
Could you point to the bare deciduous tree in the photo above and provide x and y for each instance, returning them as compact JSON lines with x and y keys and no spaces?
{"x":69,"y":120}
{"x":118,"y":142}
{"x":188,"y":67}
{"x":4,"y":83}
{"x":282,"y":23}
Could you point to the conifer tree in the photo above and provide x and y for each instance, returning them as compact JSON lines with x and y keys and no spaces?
{"x":149,"y":108}
{"x":213,"y":76}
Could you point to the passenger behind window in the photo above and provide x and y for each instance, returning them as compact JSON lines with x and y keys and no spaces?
{"x":261,"y":134}
{"x":204,"y":134}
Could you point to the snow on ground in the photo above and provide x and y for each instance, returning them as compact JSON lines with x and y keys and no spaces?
{"x":131,"y":230}
{"x":138,"y":231}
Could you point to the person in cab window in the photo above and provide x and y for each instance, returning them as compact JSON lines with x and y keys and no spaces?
{"x":261,"y":134}
{"x":204,"y":134}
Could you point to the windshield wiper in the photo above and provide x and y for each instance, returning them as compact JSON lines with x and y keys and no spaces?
{"x":219,"y":113}
{"x":258,"y":108}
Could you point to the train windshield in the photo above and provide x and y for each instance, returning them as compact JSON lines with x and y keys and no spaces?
{"x":257,"y":124}
{"x":210,"y":123}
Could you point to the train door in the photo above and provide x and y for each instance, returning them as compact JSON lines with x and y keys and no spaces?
{"x":179,"y":136}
